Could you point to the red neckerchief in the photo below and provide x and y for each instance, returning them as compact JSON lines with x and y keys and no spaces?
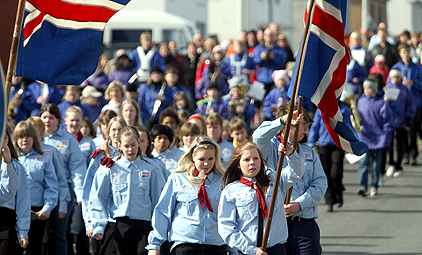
{"x":95,"y":153}
{"x":106,"y":161}
{"x":280,"y":138}
{"x":202,"y":193}
{"x":104,"y":137}
{"x":79,"y":136}
{"x":261,"y":199}
{"x":219,"y":140}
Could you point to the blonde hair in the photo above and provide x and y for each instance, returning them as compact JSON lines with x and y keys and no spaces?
{"x":106,"y":144}
{"x":25,"y":128}
{"x":74,"y":109}
{"x":134,"y":104}
{"x":112,"y":85}
{"x":129,"y":131}
{"x":187,"y":165}
{"x":37,"y":123}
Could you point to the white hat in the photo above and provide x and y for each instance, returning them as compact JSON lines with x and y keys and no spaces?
{"x":395,"y":73}
{"x":371,"y":84}
{"x":91,"y":91}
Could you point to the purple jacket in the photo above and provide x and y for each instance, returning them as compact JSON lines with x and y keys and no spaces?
{"x":377,"y":120}
{"x":122,"y":74}
{"x":406,"y":106}
{"x":218,"y":106}
{"x":201,"y":88}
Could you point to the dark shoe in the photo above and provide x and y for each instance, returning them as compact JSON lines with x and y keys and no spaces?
{"x":406,"y":161}
{"x":414,"y":163}
{"x":340,"y":201}
{"x":362,"y":192}
{"x":330,"y":208}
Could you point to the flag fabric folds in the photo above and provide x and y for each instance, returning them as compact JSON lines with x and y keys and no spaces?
{"x":324,"y":69}
{"x":61,"y":39}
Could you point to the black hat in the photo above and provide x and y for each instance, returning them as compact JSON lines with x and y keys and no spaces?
{"x":156,"y":69}
{"x":213,"y":85}
{"x":123,"y":56}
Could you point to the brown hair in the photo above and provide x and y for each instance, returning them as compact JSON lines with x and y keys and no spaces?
{"x":168,"y":112}
{"x":127,"y":131}
{"x":200,"y":118}
{"x":284,"y":109}
{"x":53,"y":110}
{"x":140,"y":129}
{"x":134,"y":104}
{"x":181,"y":95}
{"x":91,"y":127}
{"x":236,"y":124}
{"x":106,"y":144}
{"x":188,"y":128}
{"x":234,"y":172}
{"x":12,"y":149}
{"x":37,"y":123}
{"x":25,"y":128}
{"x":106,"y":116}
{"x":214,"y":119}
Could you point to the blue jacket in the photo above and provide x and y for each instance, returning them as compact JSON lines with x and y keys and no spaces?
{"x":239,"y":209}
{"x":377,"y":120}
{"x":23,"y":111}
{"x":318,"y":131}
{"x":123,"y":75}
{"x":414,"y":73}
{"x":73,"y":160}
{"x":146,"y":101}
{"x":9,"y":182}
{"x":218,"y":106}
{"x":266,"y":68}
{"x":179,"y":216}
{"x":354,"y":70}
{"x":359,"y":54}
{"x":179,"y":87}
{"x":126,"y":189}
{"x":310,"y":189}
{"x":64,"y":191}
{"x":202,"y":87}
{"x":248,"y":113}
{"x":271,"y":101}
{"x":42,"y":180}
{"x":21,"y":203}
{"x":94,"y":111}
{"x":232,"y":67}
{"x":53,"y":92}
{"x":406,"y":106}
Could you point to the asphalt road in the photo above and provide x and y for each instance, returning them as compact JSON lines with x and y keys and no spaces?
{"x":389,"y":223}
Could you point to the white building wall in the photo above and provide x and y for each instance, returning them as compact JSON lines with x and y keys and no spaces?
{"x":399,"y":16}
{"x":193,"y":10}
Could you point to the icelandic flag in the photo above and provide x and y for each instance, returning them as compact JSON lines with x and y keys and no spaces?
{"x":323,"y":70}
{"x":61,"y":39}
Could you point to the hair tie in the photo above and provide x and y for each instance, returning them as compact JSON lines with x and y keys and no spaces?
{"x":202,"y":143}
{"x":196,"y":117}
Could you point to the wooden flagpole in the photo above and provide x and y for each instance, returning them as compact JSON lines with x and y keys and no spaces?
{"x":287,"y":130}
{"x":11,"y":67}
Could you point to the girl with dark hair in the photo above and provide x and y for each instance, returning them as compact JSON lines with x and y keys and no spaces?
{"x":42,"y":181}
{"x":191,"y":195}
{"x":74,"y":167}
{"x":15,"y":207}
{"x":134,"y":185}
{"x":103,"y":123}
{"x":245,"y":201}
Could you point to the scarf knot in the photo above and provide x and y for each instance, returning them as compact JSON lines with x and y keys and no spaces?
{"x":261,"y":200}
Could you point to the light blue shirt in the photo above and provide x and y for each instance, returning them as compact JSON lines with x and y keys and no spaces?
{"x":56,"y":158}
{"x":310,"y":189}
{"x":9,"y":182}
{"x":73,"y":160}
{"x":134,"y":188}
{"x":88,"y":188}
{"x":169,"y":159}
{"x":239,"y":208}
{"x":180,"y":214}
{"x":87,"y":147}
{"x":177,"y":151}
{"x":42,"y":180}
{"x":21,"y":202}
{"x":226,"y":151}
{"x":98,"y":141}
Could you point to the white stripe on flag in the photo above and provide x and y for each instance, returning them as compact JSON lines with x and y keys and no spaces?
{"x":338,"y":56}
{"x":345,"y":145}
{"x":33,"y":13}
{"x":104,"y":3}
{"x":328,"y":8}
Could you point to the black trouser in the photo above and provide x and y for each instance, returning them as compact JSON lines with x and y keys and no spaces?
{"x":399,"y":139}
{"x":8,"y":237}
{"x":415,"y":129}
{"x":131,"y":236}
{"x":77,"y":232}
{"x":332,"y":161}
{"x":95,"y":246}
{"x":108,"y":245}
{"x":199,"y":249}
{"x":304,"y":238}
{"x":35,"y":234}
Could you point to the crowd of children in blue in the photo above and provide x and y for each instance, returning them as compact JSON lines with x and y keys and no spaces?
{"x":177,"y":186}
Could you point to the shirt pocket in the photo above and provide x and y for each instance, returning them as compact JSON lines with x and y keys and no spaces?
{"x":189,"y":204}
{"x":119,"y":193}
{"x":247,"y":207}
{"x":142,"y":188}
{"x":37,"y":172}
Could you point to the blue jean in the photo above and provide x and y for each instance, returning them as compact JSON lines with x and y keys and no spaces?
{"x":372,"y":160}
